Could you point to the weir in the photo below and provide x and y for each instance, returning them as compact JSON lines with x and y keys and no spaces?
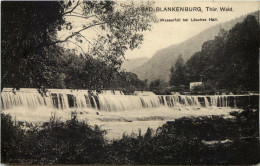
{"x":63,"y":99}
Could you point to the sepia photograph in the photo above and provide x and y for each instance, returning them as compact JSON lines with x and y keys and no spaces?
{"x":130,"y":82}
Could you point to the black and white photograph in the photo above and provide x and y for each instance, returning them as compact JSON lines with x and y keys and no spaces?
{"x":130,"y":82}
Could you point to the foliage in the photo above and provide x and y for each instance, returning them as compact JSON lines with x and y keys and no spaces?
{"x":89,"y":73}
{"x":159,"y":87}
{"x":128,"y":82}
{"x":54,"y":142}
{"x":178,"y":73}
{"x":12,"y":141}
{"x":70,"y":142}
{"x":229,"y":62}
{"x":24,"y":32}
{"x":184,"y":141}
{"x":85,"y":72}
{"x":32,"y":50}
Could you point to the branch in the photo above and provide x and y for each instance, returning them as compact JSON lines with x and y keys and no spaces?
{"x":75,"y":33}
{"x":72,"y":9}
{"x":85,"y":17}
{"x":89,"y":42}
{"x":77,"y":13}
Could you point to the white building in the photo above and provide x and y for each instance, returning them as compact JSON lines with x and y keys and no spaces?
{"x":194,"y":84}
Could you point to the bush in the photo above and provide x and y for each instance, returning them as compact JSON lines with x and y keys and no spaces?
{"x":55,"y":142}
{"x":184,"y":141}
{"x":16,"y":146}
{"x":129,"y":90}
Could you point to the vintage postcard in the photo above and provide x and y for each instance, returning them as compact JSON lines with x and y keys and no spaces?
{"x":130,"y":82}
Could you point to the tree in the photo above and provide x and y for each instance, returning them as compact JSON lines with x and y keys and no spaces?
{"x":31,"y":45}
{"x":228,"y":62}
{"x":127,"y":81}
{"x":158,"y":86}
{"x":243,"y":44}
{"x":86,"y":72}
{"x":178,"y":73}
{"x":25,"y":27}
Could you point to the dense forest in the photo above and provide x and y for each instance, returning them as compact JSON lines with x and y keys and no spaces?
{"x":227,"y":63}
{"x":33,"y":55}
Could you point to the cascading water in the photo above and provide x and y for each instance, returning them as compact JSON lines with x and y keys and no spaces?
{"x":206,"y":101}
{"x":31,"y":99}
{"x":64,"y":99}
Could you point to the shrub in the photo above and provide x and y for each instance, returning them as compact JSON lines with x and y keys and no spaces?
{"x":55,"y":142}
{"x":184,"y":141}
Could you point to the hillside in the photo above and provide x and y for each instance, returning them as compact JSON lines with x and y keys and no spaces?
{"x":133,"y":63}
{"x":159,"y":65}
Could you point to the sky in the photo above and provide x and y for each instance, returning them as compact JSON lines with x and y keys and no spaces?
{"x":164,"y":34}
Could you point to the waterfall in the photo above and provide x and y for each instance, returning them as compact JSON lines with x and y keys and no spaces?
{"x":206,"y":101}
{"x":196,"y":101}
{"x":31,"y":99}
{"x":63,"y":99}
{"x":214,"y":101}
{"x":235,"y":101}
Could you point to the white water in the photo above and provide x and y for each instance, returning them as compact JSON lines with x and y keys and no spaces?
{"x":117,"y":123}
{"x":117,"y":113}
{"x":64,"y":99}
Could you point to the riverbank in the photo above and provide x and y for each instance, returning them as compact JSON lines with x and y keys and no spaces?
{"x":118,"y":122}
{"x":187,"y":140}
